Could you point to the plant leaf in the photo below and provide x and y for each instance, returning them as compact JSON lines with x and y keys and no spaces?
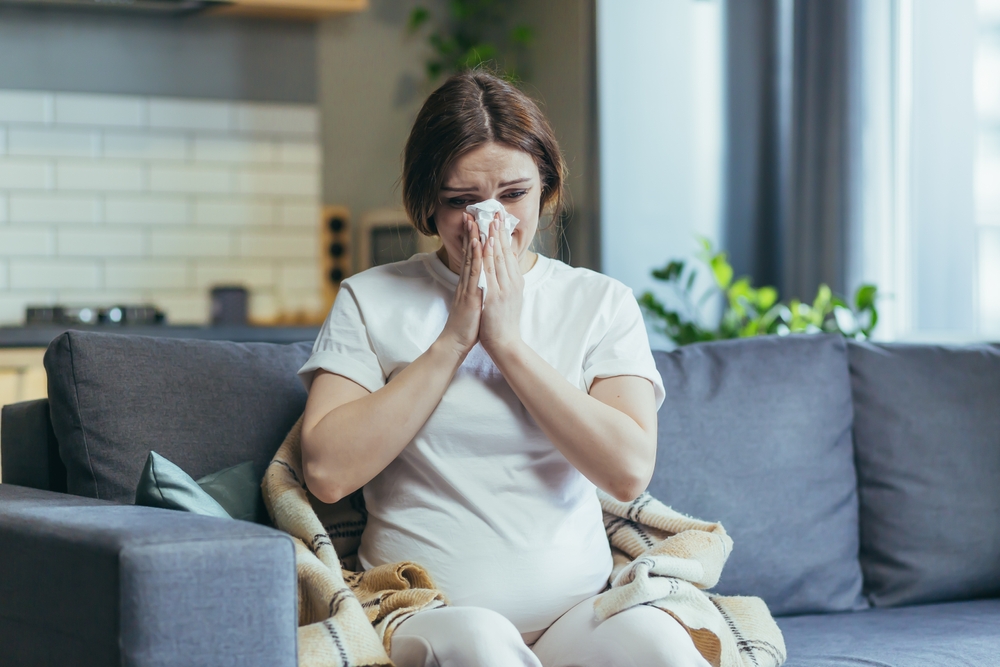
{"x":690,"y":281}
{"x":741,"y":290}
{"x":670,"y":272}
{"x":442,"y":45}
{"x":522,"y":34}
{"x":706,"y":247}
{"x":434,"y":69}
{"x":769,"y":319}
{"x":750,"y":311}
{"x":766,"y":297}
{"x":477,"y":55}
{"x":721,"y":269}
{"x":865,"y":297}
{"x":459,"y":9}
{"x":823,"y":296}
{"x":419,"y":16}
{"x":845,"y":320}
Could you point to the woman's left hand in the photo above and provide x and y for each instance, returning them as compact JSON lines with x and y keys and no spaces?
{"x":500,"y":325}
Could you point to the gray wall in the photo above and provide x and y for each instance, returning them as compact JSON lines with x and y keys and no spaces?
{"x":370,"y":88}
{"x":190,"y":56}
{"x":562,"y":78}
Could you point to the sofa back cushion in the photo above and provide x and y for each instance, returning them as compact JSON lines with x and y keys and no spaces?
{"x":756,"y":433}
{"x":927,"y":435}
{"x":205,"y":405}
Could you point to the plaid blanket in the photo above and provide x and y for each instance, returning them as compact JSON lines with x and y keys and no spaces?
{"x":661,"y":558}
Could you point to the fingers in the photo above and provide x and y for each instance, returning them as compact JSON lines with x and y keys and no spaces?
{"x":490,"y":266}
{"x":463,"y":272}
{"x":499,"y":253}
{"x":512,"y":263}
{"x":477,"y":267}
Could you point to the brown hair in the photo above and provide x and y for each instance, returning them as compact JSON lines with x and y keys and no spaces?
{"x":471,"y":109}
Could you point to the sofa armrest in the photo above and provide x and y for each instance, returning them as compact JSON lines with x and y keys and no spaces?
{"x":29,"y":450}
{"x":87,"y":582}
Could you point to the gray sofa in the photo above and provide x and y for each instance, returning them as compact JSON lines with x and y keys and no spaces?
{"x":860,"y":483}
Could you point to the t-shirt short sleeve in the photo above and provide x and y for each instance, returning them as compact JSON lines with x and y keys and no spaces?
{"x":624,"y":350}
{"x":344,"y":347}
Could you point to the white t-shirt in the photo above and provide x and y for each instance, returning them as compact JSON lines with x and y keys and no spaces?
{"x":481,"y":497}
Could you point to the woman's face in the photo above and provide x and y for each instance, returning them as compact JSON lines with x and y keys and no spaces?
{"x":490,"y":171}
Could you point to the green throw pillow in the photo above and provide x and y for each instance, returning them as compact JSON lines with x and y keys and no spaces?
{"x":233,"y":492}
{"x":237,"y":489}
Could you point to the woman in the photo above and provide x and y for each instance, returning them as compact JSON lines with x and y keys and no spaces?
{"x":478,"y":425}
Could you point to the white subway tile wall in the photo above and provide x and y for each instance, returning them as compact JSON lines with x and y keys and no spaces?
{"x":108,"y":199}
{"x":54,"y":209}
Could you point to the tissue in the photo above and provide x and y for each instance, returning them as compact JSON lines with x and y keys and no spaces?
{"x":483,"y":213}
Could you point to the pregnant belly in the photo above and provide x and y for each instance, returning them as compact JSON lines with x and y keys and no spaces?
{"x":532,"y":583}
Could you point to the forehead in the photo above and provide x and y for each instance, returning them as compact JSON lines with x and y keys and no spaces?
{"x":490,"y":163}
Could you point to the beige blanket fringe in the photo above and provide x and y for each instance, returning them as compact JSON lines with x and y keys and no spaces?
{"x":661,"y":558}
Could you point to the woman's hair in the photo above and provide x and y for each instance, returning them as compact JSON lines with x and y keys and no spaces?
{"x":471,"y":109}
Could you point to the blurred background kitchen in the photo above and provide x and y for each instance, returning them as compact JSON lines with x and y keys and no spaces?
{"x":215,"y":168}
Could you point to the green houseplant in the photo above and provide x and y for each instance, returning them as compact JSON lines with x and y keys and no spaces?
{"x":472,"y":33}
{"x":748,"y":310}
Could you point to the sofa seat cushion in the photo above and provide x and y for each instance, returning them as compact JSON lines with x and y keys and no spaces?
{"x":205,"y":405}
{"x":756,"y":434}
{"x":939,"y":635}
{"x":927,"y":441}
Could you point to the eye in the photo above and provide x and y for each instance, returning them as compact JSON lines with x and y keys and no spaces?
{"x":517,"y":194}
{"x":458,"y":202}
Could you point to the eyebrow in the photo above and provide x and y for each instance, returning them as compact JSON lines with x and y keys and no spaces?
{"x":502,"y":185}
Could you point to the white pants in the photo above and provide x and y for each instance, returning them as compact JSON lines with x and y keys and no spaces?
{"x":476,"y":637}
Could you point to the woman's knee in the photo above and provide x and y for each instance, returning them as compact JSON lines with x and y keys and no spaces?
{"x":650,"y":636}
{"x":459,"y":636}
{"x":638,"y":637}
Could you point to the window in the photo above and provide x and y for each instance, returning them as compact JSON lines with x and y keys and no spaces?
{"x":987,"y":183}
{"x":927,"y":227}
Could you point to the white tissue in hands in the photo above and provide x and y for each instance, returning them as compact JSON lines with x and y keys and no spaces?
{"x":483,"y":212}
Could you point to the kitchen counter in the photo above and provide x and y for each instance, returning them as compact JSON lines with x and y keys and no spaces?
{"x":40,"y":335}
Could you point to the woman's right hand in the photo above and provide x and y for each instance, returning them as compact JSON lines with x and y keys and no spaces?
{"x":462,"y":328}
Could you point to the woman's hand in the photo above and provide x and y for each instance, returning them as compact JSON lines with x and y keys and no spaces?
{"x":462,"y":328}
{"x":500,"y":327}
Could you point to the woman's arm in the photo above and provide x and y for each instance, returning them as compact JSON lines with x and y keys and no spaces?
{"x":349,"y":435}
{"x":609,"y":435}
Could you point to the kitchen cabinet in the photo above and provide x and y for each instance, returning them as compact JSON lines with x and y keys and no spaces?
{"x":22,"y":376}
{"x":292,"y":9}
